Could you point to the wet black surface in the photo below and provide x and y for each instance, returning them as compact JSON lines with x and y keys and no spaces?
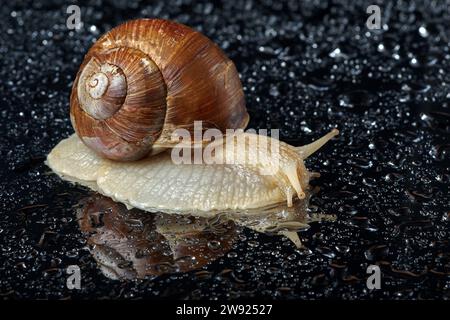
{"x":305,"y":68}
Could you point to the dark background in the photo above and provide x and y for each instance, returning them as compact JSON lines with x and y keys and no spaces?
{"x":386,"y":177}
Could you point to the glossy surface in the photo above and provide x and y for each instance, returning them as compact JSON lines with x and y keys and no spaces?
{"x":305,"y":68}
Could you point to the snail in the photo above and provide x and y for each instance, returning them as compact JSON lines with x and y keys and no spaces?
{"x":146,"y":78}
{"x":137,"y":85}
{"x":157,"y":184}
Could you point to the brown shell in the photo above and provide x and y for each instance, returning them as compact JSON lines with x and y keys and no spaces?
{"x":160,"y":76}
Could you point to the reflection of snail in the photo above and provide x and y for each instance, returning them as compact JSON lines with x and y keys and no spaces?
{"x":144,"y":79}
{"x":131,"y":244}
{"x":140,"y":82}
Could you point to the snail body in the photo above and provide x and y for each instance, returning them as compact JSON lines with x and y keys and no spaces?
{"x":157,"y":184}
{"x":144,"y":79}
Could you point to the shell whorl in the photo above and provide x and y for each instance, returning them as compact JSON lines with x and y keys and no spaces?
{"x":122,"y":95}
{"x":146,"y":78}
{"x":102,"y":89}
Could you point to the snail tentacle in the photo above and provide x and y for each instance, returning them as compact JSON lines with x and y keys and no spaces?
{"x":307,"y":150}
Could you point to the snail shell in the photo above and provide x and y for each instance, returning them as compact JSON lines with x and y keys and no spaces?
{"x":144,"y":79}
{"x":158,"y":184}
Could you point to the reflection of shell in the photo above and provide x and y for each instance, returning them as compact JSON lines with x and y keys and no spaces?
{"x":131,"y":244}
{"x":147,"y":77}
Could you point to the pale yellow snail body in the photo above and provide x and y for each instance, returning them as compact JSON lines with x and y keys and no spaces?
{"x":158,"y":184}
{"x":138,"y":84}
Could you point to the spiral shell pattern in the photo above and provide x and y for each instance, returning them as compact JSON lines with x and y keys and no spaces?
{"x":144,"y":79}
